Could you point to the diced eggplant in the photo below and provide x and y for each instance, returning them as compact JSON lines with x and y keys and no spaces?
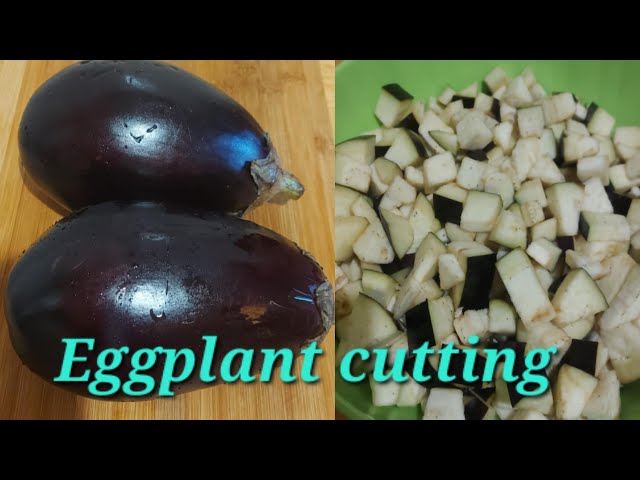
{"x":346,"y":298}
{"x":625,"y":306}
{"x":599,"y":121}
{"x":411,"y":394}
{"x":398,"y":230}
{"x":384,"y":394}
{"x":604,"y":402}
{"x":423,"y":220}
{"x":352,"y":173}
{"x":619,"y":179}
{"x":544,"y":252}
{"x":531,"y":190}
{"x":439,"y":170}
{"x":347,"y":232}
{"x":444,"y":404}
{"x":529,"y":298}
{"x":502,"y":318}
{"x":617,"y":268}
{"x":517,"y":93}
{"x":581,"y":328}
{"x":399,"y":193}
{"x":496,"y":79}
{"x":447,"y":140}
{"x":509,"y":231}
{"x":572,"y":391}
{"x":373,"y":245}
{"x":576,"y":146}
{"x":419,"y":328}
{"x":367,"y":325}
{"x":387,"y":170}
{"x":448,"y":203}
{"x":558,"y":108}
{"x":415,"y":177}
{"x":430,"y":122}
{"x":532,"y":213}
{"x":593,"y":167}
{"x":620,"y":203}
{"x":472,"y":132}
{"x":577,"y":297}
{"x":471,"y":174}
{"x":480,"y":212}
{"x":477,"y":281}
{"x":344,"y":198}
{"x":604,"y":227}
{"x":407,"y":149}
{"x":441,"y":315}
{"x":595,"y":197}
{"x":455,"y":233}
{"x":546,"y":229}
{"x":471,"y":322}
{"x":565,"y":200}
{"x":530,"y":121}
{"x":483,"y":103}
{"x":393,"y":104}
{"x":378,"y":286}
{"x":501,"y":184}
{"x":361,"y":149}
{"x":582,"y":354}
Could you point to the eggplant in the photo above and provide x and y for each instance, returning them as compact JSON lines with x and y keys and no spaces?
{"x":146,"y":275}
{"x":478,"y":281}
{"x":140,"y":130}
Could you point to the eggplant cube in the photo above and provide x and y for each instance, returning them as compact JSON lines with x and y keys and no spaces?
{"x":480,"y":212}
{"x":472,"y":132}
{"x":532,"y":213}
{"x":544,"y":252}
{"x":530,"y":122}
{"x":439,"y":170}
{"x":572,"y":392}
{"x":393,"y":104}
{"x":529,"y":298}
{"x":450,"y":271}
{"x":444,"y":404}
{"x":471,"y":173}
{"x":565,"y":201}
{"x":577,"y":297}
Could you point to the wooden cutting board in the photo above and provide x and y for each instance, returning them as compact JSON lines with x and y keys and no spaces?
{"x":292,"y":100}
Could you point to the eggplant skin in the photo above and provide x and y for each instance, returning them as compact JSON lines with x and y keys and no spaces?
{"x":139,"y":130}
{"x":146,"y":275}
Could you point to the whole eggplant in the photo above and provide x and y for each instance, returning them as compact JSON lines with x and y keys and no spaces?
{"x":146,"y":275}
{"x":140,"y":130}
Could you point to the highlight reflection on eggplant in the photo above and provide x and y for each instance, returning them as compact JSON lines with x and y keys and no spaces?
{"x":140,"y":130}
{"x":144,"y":275}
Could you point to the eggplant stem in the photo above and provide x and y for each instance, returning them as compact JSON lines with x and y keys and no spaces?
{"x":324,"y":301}
{"x":275,"y":185}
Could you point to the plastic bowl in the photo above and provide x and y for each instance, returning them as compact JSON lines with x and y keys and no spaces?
{"x":611,"y":84}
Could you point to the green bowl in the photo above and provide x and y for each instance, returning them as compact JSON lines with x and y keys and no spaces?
{"x":611,"y":84}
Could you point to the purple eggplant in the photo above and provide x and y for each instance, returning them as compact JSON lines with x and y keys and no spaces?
{"x":140,"y":130}
{"x":146,"y":275}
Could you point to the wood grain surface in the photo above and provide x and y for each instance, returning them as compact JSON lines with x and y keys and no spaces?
{"x":293,"y":101}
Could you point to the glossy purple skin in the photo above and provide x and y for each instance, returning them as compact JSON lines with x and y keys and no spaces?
{"x":146,"y":275}
{"x":139,"y":130}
